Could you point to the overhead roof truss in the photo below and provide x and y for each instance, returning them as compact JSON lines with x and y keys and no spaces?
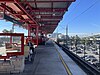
{"x":44,"y":13}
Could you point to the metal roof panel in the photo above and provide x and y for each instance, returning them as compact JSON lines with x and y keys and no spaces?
{"x":43,"y":5}
{"x":60,"y":5}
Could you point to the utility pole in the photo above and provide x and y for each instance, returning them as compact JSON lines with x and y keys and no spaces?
{"x":84,"y":48}
{"x":66,"y":35}
{"x":76,"y":44}
{"x":57,"y":35}
{"x":13,"y":28}
{"x":99,"y":51}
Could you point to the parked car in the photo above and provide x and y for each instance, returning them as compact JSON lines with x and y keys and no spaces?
{"x":89,"y":58}
{"x":79,"y":51}
{"x":95,"y":52}
{"x":94,"y":61}
{"x":84,"y":56}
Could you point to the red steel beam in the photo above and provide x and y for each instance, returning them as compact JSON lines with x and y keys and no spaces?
{"x":47,"y":1}
{"x":49,"y":10}
{"x":7,"y":1}
{"x":49,"y":21}
{"x":48,"y":25}
{"x":25,"y":20}
{"x":30,"y":8}
{"x":61,"y":14}
{"x":25,"y":11}
{"x":1,"y":9}
{"x":13,"y":14}
{"x":39,"y":14}
{"x":45,"y":15}
{"x":35,"y":4}
{"x":7,"y":8}
{"x":30,"y":11}
{"x":51,"y":17}
{"x":32,"y":25}
{"x":52,"y":7}
{"x":37,"y":37}
{"x":17,"y":14}
{"x":3,"y":6}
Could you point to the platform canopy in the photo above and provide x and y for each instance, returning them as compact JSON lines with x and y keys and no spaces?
{"x":43,"y":13}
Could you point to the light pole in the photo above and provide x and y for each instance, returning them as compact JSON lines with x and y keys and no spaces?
{"x":76,"y":45}
{"x":67,"y":35}
{"x":84,"y":49}
{"x":99,"y":51}
{"x":13,"y":28}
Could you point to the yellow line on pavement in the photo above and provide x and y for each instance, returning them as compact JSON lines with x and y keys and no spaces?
{"x":64,"y":64}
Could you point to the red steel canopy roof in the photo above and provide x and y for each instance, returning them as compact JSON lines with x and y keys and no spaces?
{"x":44,"y":13}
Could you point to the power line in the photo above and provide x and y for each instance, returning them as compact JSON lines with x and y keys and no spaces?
{"x":62,"y":27}
{"x":71,"y":13}
{"x":81,"y":13}
{"x":74,"y":8}
{"x":84,"y":11}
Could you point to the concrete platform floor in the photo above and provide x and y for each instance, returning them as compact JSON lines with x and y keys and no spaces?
{"x":46,"y":62}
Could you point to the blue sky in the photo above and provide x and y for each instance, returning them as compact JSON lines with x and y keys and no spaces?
{"x":88,"y":22}
{"x":8,"y":25}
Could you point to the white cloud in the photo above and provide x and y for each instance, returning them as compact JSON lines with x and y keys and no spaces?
{"x":82,"y":34}
{"x":96,"y":25}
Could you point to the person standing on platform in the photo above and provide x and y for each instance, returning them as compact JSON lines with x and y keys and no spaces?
{"x":31,"y":46}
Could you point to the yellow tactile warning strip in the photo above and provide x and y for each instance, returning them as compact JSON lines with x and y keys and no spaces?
{"x":64,"y":64}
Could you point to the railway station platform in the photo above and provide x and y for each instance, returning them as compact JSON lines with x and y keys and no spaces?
{"x":51,"y":60}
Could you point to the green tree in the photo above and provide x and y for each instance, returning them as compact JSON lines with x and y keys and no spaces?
{"x":78,"y":39}
{"x":85,"y":40}
{"x":72,"y":38}
{"x":5,"y":31}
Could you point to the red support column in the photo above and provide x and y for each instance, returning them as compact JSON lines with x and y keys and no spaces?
{"x":29,"y":31}
{"x":10,"y":39}
{"x":37,"y":37}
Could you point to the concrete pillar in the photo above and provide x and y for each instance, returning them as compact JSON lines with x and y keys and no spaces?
{"x":13,"y":65}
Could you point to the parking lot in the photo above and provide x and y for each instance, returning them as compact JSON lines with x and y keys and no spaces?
{"x":89,"y":53}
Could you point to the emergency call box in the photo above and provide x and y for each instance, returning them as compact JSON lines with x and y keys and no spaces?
{"x":11,"y":44}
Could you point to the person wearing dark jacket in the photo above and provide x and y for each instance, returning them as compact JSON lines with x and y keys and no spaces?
{"x":31,"y":46}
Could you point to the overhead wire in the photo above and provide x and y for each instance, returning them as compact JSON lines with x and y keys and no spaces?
{"x":84,"y":11}
{"x":80,"y":13}
{"x":74,"y":8}
{"x":71,"y":13}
